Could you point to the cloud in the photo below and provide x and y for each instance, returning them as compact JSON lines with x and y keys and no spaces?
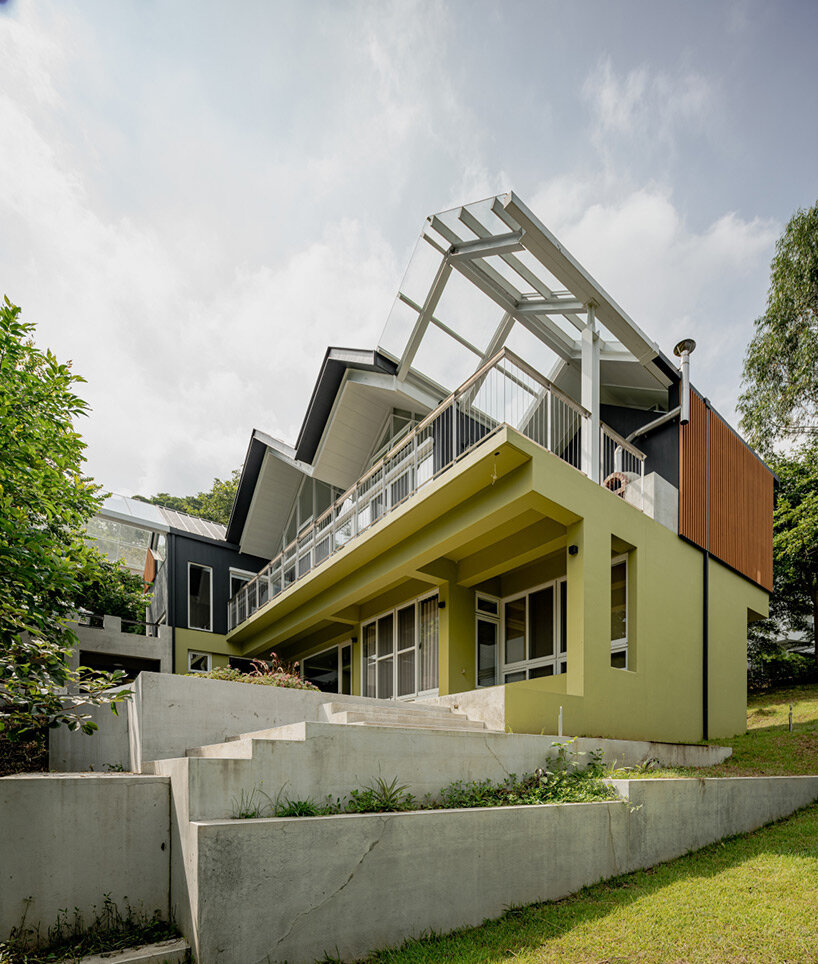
{"x":646,"y":110}
{"x":673,"y":280}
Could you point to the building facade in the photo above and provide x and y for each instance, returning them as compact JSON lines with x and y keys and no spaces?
{"x":517,"y":503}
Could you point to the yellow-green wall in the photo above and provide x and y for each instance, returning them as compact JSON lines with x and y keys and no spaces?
{"x":469,"y":530}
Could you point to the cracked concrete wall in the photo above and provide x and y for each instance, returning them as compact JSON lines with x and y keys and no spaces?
{"x":320,"y":759}
{"x":295,"y":889}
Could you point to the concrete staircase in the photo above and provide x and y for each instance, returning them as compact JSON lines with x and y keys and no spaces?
{"x":415,"y":716}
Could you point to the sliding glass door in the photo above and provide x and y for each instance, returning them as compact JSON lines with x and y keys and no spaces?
{"x":400,"y":651}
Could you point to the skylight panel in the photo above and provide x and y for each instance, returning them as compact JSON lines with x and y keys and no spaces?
{"x":399,"y":326}
{"x":468,"y":311}
{"x":421,"y":271}
{"x":530,"y":348}
{"x":443,"y":359}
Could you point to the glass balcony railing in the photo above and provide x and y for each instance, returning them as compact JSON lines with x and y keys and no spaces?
{"x":504,"y":392}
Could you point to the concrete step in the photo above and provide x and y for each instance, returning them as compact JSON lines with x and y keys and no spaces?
{"x":233,"y":750}
{"x":166,"y":952}
{"x":241,"y":747}
{"x":395,"y":709}
{"x":407,"y":720}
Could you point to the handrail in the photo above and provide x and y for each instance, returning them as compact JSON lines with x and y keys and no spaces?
{"x":623,"y":442}
{"x":537,"y":416}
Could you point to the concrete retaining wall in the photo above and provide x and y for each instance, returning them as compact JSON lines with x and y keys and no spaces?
{"x":314,"y":760}
{"x":169,"y":715}
{"x":108,"y":747}
{"x":293,"y":889}
{"x":67,"y":840}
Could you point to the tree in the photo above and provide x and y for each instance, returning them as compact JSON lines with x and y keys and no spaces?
{"x":779,"y":407}
{"x":215,"y":504}
{"x":45,"y":501}
{"x":110,"y":588}
{"x":780,"y":397}
{"x":795,"y":539}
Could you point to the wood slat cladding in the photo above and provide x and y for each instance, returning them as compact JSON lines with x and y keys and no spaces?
{"x":693,"y":474}
{"x":739,"y":530}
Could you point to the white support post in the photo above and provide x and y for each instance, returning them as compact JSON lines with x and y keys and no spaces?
{"x":590,"y":397}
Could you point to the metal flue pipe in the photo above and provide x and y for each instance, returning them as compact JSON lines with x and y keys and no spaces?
{"x":683,"y":350}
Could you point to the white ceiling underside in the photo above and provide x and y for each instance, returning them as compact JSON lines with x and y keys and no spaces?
{"x":272,"y":500}
{"x":489,"y":274}
{"x":364,"y":402}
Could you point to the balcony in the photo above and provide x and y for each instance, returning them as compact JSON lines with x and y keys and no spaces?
{"x":504,"y":392}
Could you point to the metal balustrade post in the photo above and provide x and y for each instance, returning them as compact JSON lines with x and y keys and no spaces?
{"x":454,"y":429}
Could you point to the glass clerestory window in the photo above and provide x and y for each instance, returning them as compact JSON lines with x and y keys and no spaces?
{"x":399,"y":424}
{"x":313,"y":499}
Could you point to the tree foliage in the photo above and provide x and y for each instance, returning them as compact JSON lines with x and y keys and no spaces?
{"x":45,"y":501}
{"x":110,"y":588}
{"x":215,"y":504}
{"x":780,"y":397}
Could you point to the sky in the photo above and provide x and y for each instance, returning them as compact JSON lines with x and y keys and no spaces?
{"x":197,"y":198}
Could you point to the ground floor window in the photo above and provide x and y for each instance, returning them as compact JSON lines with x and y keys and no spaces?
{"x":619,"y":612}
{"x":330,"y":670}
{"x":523,"y":636}
{"x":400,"y":650}
{"x":199,"y":662}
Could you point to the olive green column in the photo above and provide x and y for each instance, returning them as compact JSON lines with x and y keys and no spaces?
{"x":588,"y":570}
{"x":457,"y":641}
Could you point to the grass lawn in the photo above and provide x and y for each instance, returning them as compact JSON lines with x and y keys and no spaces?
{"x":747,"y":900}
{"x":767,"y":748}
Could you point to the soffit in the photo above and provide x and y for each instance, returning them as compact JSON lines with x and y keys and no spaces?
{"x":356,"y":422}
{"x":270,"y":506}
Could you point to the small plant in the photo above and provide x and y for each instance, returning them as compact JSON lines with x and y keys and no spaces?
{"x":272,"y":673}
{"x":69,"y":939}
{"x":381,"y":797}
{"x":253,"y":804}
{"x":308,"y":808}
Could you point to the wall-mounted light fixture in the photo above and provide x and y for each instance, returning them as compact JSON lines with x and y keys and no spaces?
{"x":441,"y":604}
{"x":573,"y":550}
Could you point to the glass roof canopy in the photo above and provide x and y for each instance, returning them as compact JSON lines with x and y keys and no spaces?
{"x":490,"y":274}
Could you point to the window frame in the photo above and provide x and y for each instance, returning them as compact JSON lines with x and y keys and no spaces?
{"x":338,"y":647}
{"x":199,"y":565}
{"x":493,"y":619}
{"x":621,"y":645}
{"x":559,"y":659}
{"x":195,"y":652}
{"x":240,"y":573}
{"x":393,"y":611}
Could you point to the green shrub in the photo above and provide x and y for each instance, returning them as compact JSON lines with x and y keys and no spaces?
{"x":274,"y":673}
{"x":381,"y":797}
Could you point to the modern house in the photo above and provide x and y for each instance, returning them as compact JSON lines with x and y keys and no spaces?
{"x":191,"y":571}
{"x":517,"y":503}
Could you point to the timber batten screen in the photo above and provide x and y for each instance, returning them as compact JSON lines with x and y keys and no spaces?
{"x":725,"y":495}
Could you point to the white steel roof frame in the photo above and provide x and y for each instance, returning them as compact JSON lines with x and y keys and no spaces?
{"x":535,"y":304}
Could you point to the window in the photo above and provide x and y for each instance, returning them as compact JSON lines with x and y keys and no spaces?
{"x":399,"y":424}
{"x":312,"y":501}
{"x":198,"y":662}
{"x":239,"y":578}
{"x":330,"y":670}
{"x":199,"y":597}
{"x":619,"y":613}
{"x":534,"y":634}
{"x":400,"y":651}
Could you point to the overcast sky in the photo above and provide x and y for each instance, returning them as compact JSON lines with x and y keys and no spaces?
{"x":196,"y":198}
